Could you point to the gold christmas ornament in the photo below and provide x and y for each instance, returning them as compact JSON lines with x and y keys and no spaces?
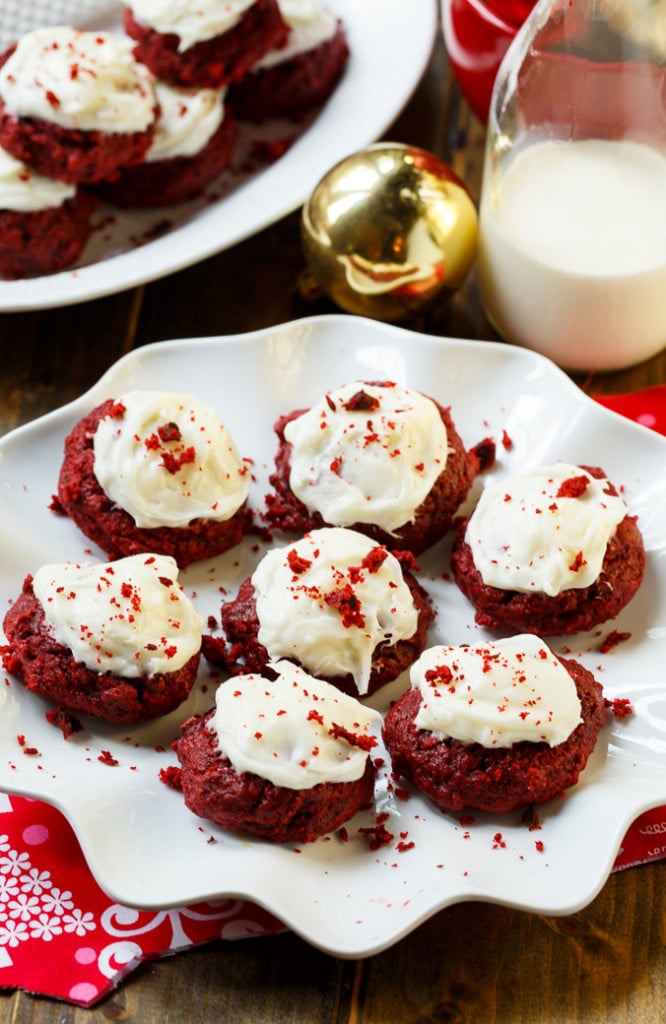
{"x":387,"y":230}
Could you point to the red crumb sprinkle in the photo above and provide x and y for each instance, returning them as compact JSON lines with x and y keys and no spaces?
{"x":346,"y":602}
{"x":403,"y":846}
{"x":375,"y":558}
{"x":173,"y":462}
{"x":574,"y":487}
{"x":614,"y":638}
{"x":485,"y":451}
{"x":361,"y":402}
{"x":117,"y":411}
{"x":296,"y":563}
{"x":172,"y":776}
{"x":538,"y":845}
{"x":267,"y":152}
{"x":355,"y":739}
{"x":498,"y":842}
{"x":106,"y":757}
{"x":32,"y":751}
{"x":68,"y":723}
{"x":620,"y":706}
{"x":507,"y":442}
{"x":343,"y":834}
{"x":578,"y":562}
{"x":402,"y":794}
{"x":467,"y":819}
{"x":169,"y":432}
{"x":377,"y":834}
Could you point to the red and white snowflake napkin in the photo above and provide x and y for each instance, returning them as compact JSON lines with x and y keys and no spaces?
{"x":62,"y":936}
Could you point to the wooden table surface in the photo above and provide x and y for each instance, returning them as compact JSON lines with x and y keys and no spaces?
{"x":471,"y":963}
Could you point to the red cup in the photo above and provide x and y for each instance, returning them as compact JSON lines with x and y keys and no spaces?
{"x":476,"y":36}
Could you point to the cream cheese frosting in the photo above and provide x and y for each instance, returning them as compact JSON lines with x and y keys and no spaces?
{"x":24,"y":190}
{"x":167,"y":459}
{"x":295,"y":731}
{"x":129,"y":617}
{"x":496,"y":694}
{"x":367,"y":453}
{"x":193,"y":21}
{"x":545,"y":530}
{"x":79,"y":80}
{"x":187,"y":121}
{"x":310,"y":24}
{"x":329,"y":599}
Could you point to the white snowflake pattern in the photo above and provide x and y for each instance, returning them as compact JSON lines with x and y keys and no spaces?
{"x":13,"y":932}
{"x":14,"y":863}
{"x":23,"y":907}
{"x":9,"y":888}
{"x":36,"y":882}
{"x":45,"y":927}
{"x":57,"y":902}
{"x":78,"y":923}
{"x":31,"y":905}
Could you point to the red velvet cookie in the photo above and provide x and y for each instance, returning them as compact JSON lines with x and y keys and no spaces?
{"x":573,"y":608}
{"x":44,"y":241}
{"x":313,"y":775}
{"x":74,"y":105}
{"x":340,"y":604}
{"x":81,"y":496}
{"x":292,"y":87}
{"x":212,"y":62}
{"x":174,"y":179}
{"x":382,"y":432}
{"x":468,"y":775}
{"x":48,"y":666}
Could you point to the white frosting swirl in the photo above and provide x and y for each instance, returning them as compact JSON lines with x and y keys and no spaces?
{"x":193,"y":21}
{"x":327,"y":602}
{"x":291,"y":731}
{"x":80,"y":80}
{"x":167,"y":459}
{"x":524,"y":536}
{"x":127,"y":617}
{"x":24,"y":190}
{"x":376,"y":466}
{"x":187,"y":121}
{"x":310,"y":25}
{"x":496,"y":694}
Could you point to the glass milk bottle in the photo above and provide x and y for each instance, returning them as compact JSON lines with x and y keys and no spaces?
{"x":572,"y":220}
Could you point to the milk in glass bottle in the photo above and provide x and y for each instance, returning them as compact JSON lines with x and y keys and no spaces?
{"x":572,"y":225}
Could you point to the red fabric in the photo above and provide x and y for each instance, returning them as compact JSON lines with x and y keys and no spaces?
{"x":61,"y":936}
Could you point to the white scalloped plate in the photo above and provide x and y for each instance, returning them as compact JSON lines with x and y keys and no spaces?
{"x":390,"y":43}
{"x":142,"y":844}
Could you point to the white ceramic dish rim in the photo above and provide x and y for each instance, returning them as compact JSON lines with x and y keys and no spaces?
{"x":383,"y":35}
{"x":343,"y":897}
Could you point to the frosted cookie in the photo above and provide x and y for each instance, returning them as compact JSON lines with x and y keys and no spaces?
{"x":551,"y":551}
{"x":286,"y":759}
{"x":203,"y":42}
{"x":155,"y":471}
{"x":75,"y":105}
{"x":342,"y":607}
{"x":118,"y":641}
{"x":494,"y":727}
{"x":44,"y":223}
{"x":297,"y":77}
{"x":376,"y":457}
{"x":193,"y":143}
